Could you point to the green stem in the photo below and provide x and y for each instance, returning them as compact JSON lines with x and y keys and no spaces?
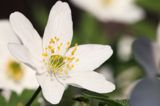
{"x":33,"y":97}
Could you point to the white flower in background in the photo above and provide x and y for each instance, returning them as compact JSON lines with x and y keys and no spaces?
{"x":107,"y":72}
{"x":14,"y":76}
{"x":56,"y":64}
{"x":156,"y":48}
{"x":124,"y":11}
{"x":126,"y":80}
{"x":6,"y":94}
{"x":158,"y":34}
{"x":124,"y":48}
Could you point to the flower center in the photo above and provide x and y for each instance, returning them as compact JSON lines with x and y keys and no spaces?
{"x":106,"y":2}
{"x":55,"y":61}
{"x":14,"y":70}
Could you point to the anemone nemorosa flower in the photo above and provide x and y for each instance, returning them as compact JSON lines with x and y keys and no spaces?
{"x":14,"y":76}
{"x":56,"y":64}
{"x":125,"y":11}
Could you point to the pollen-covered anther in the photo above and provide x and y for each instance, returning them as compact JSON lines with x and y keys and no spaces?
{"x":50,"y":47}
{"x":74,"y":49}
{"x":56,"y":38}
{"x":52,"y":41}
{"x":44,"y":54}
{"x":77,"y":60}
{"x":68,"y":45}
{"x":72,"y":66}
{"x":52,"y":51}
{"x":59,"y":64}
{"x":59,"y":46}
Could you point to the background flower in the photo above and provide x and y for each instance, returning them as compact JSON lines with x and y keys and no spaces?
{"x":14,"y":76}
{"x":146,"y":92}
{"x":112,"y":10}
{"x":125,"y":48}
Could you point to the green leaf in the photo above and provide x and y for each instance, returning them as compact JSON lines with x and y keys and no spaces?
{"x":110,"y":103}
{"x":123,"y":102}
{"x":21,"y":100}
{"x":81,"y":99}
{"x":144,"y":28}
{"x":3,"y":101}
{"x":114,"y":103}
{"x":94,"y":95}
{"x":102,"y":104}
{"x":67,"y":99}
{"x":26,"y":95}
{"x":106,"y":100}
{"x":14,"y":100}
{"x":151,"y":5}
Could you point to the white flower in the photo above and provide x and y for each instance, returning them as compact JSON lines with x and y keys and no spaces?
{"x":126,"y":81}
{"x":13,"y":75}
{"x":124,"y":48}
{"x":107,"y":72}
{"x":6,"y":94}
{"x":124,"y":11}
{"x":56,"y":64}
{"x":156,"y":48}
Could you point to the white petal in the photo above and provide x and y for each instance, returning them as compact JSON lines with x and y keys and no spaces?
{"x":7,"y":34}
{"x":59,"y":24}
{"x":158,"y":34}
{"x":29,"y":80}
{"x":107,"y":72}
{"x":7,"y":84}
{"x":52,"y":90}
{"x":6,"y":94}
{"x":21,"y":53}
{"x":124,"y":48}
{"x":121,"y":13}
{"x":91,"y":81}
{"x":116,"y":10}
{"x":29,"y":36}
{"x":2,"y":79}
{"x":90,"y":56}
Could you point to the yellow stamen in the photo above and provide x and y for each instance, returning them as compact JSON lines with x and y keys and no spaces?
{"x":44,"y":54}
{"x":68,"y":45}
{"x":50,"y":47}
{"x":60,"y":45}
{"x":52,"y":41}
{"x":52,"y":51}
{"x":77,"y":60}
{"x":58,"y":63}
